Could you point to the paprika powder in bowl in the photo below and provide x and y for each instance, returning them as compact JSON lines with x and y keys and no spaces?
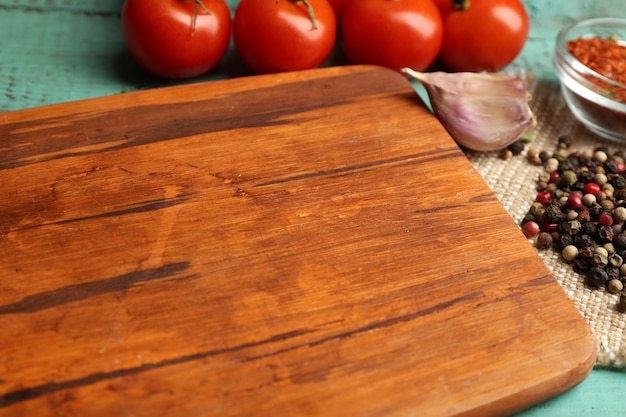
{"x":590,"y":62}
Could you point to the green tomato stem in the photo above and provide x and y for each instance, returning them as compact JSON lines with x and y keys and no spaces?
{"x":310,"y":10}
{"x":197,"y":3}
{"x":461,"y":4}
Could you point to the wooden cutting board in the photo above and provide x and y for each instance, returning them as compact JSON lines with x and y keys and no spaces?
{"x":301,"y":244}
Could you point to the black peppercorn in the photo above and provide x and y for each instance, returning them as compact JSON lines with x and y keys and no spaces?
{"x":595,"y":210}
{"x":564,"y":142}
{"x":606,"y":234}
{"x":610,"y":166}
{"x":516,"y":147}
{"x":617,"y":181}
{"x":596,"y":277}
{"x":619,"y":240}
{"x":564,"y":240}
{"x":589,"y":228}
{"x":581,"y":265}
{"x":578,"y":186}
{"x":612,"y":273}
{"x":583,"y":241}
{"x":528,"y":218}
{"x":586,"y":177}
{"x":554,"y":213}
{"x":565,"y":165}
{"x":586,"y":252}
{"x":619,"y":194}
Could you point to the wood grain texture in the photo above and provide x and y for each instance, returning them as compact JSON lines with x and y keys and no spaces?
{"x":298,"y":244}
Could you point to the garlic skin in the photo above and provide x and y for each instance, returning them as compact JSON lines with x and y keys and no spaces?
{"x":481,"y":111}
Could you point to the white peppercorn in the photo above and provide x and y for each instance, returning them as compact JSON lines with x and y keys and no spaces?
{"x":569,"y":253}
{"x":600,"y":179}
{"x":609,"y":247}
{"x":600,"y":156}
{"x":615,"y":286}
{"x":589,"y":200}
{"x":601,"y":251}
{"x":619,"y":214}
{"x":544,"y":176}
{"x":552,"y":164}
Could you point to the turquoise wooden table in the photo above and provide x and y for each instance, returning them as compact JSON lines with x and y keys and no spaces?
{"x":55,"y":51}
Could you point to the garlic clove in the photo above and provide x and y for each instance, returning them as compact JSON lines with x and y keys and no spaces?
{"x":481,"y":111}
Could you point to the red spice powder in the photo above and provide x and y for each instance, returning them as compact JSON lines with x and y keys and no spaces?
{"x":605,"y":56}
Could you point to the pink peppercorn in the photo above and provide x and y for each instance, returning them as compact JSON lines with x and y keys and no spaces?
{"x":530,"y":229}
{"x":549,"y":227}
{"x":620,"y":167}
{"x":574,"y":201}
{"x":592,"y":188}
{"x":543,"y":197}
{"x":606,"y":219}
{"x":554,"y":176}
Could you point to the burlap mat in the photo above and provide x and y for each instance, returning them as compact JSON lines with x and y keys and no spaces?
{"x":514,"y":182}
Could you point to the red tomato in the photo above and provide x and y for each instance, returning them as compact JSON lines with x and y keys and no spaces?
{"x":284,"y":35}
{"x":485,"y":36}
{"x":445,"y":6}
{"x":392,"y":33}
{"x":338,"y":6}
{"x":176,"y":38}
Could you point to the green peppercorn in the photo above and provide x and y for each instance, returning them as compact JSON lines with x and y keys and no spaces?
{"x":560,"y":154}
{"x":573,"y":227}
{"x":615,"y":260}
{"x":599,"y":260}
{"x":567,"y":178}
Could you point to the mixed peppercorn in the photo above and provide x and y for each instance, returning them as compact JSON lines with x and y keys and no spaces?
{"x":580,"y":211}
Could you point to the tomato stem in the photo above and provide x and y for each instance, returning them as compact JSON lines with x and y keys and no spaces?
{"x":197,"y":3}
{"x":310,"y":10}
{"x":461,"y":4}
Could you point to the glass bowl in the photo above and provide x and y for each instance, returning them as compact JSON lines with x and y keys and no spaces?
{"x":598,"y":102}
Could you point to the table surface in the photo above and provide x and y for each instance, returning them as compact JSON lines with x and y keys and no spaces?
{"x":55,"y":51}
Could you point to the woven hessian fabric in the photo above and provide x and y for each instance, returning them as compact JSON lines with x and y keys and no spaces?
{"x":514,"y":182}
